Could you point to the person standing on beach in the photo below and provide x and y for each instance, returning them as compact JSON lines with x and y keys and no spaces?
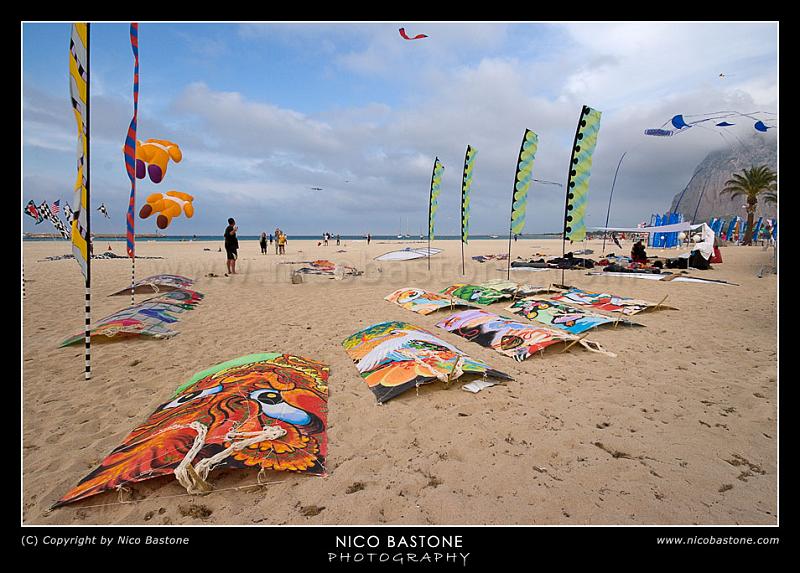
{"x":277,"y":236}
{"x":263,"y":243}
{"x":281,"y":243}
{"x":231,"y":245}
{"x":369,"y":238}
{"x":338,"y":240}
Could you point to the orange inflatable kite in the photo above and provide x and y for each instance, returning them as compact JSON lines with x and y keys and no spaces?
{"x":155,"y":154}
{"x":167,"y":205}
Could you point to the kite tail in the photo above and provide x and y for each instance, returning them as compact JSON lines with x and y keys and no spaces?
{"x":193,"y":478}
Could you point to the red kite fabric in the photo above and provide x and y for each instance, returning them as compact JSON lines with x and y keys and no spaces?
{"x":407,"y":37}
{"x":262,"y":411}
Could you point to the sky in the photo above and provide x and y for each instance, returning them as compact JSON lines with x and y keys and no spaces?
{"x":266,"y":112}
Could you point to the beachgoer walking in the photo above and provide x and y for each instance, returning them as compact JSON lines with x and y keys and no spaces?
{"x":277,"y":235}
{"x":338,"y":240}
{"x":369,"y":238}
{"x":231,"y":245}
{"x":263,"y":243}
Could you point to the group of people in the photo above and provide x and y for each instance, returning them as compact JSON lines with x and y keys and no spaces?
{"x":327,"y":237}
{"x":232,"y":244}
{"x":280,"y":242}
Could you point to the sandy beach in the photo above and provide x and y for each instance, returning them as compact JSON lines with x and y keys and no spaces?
{"x":679,"y":428}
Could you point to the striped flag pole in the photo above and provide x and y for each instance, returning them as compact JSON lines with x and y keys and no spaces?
{"x":130,"y":159}
{"x":90,"y":249}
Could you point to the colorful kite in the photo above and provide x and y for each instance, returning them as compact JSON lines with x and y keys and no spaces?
{"x":153,"y":156}
{"x":580,"y":170}
{"x":33,"y":211}
{"x":516,"y":289}
{"x":103,"y":210}
{"x":183,"y":298}
{"x":422,"y":301}
{"x":407,"y":37}
{"x":681,"y":122}
{"x":326,"y":267}
{"x":129,"y":150}
{"x":262,"y":411}
{"x":607,"y":302}
{"x":522,"y":181}
{"x":168,"y":206}
{"x":508,"y":337}
{"x":143,"y":319}
{"x":557,"y":315}
{"x":158,"y":283}
{"x":475,"y":294}
{"x":393,"y":357}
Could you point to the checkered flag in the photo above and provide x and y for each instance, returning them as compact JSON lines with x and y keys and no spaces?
{"x":48,"y":214}
{"x":68,"y":214}
{"x":33,"y":211}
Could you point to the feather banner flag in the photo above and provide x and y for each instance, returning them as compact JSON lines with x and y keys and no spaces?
{"x":436,"y":183}
{"x":522,"y":180}
{"x":466,"y":185}
{"x":580,"y":168}
{"x":79,"y":92}
{"x":130,"y":144}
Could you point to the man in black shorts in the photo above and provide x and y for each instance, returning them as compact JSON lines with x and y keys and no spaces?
{"x":231,"y":245}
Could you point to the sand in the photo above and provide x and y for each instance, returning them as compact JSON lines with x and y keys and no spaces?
{"x":680,"y":428}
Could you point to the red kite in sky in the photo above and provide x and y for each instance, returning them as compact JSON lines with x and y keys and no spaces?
{"x":407,"y":37}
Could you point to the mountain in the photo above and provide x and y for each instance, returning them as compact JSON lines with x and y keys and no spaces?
{"x":714,"y":170}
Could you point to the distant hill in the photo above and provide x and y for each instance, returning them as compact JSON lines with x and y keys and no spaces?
{"x":715,"y":169}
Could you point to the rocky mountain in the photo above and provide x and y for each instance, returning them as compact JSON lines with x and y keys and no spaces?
{"x":709,"y":179}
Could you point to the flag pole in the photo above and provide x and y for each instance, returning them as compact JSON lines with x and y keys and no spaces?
{"x":89,"y":240}
{"x":130,"y":159}
{"x":608,"y":212}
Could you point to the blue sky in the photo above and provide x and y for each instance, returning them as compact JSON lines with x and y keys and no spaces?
{"x":265,"y":112}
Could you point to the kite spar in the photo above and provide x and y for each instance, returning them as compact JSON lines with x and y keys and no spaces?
{"x":81,"y":220}
{"x":466,"y":184}
{"x":608,"y":212}
{"x":130,"y":159}
{"x":522,"y":182}
{"x":580,"y":169}
{"x":433,"y":204}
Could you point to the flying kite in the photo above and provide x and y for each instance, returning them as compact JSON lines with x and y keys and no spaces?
{"x":167,"y":206}
{"x":154,"y":155}
{"x":393,"y":357}
{"x":32,"y":211}
{"x":407,"y":37}
{"x":262,"y":411}
{"x":681,"y":122}
{"x":316,"y":188}
{"x":103,"y":210}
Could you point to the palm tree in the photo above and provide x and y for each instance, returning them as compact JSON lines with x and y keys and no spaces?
{"x":752,"y":183}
